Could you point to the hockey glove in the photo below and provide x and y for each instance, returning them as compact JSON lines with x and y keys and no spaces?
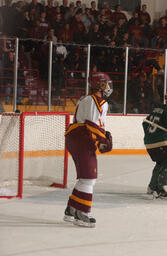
{"x":107,"y":146}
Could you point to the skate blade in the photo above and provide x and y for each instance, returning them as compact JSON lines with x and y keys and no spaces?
{"x":68,"y":218}
{"x":156,"y":196}
{"x":83,"y":224}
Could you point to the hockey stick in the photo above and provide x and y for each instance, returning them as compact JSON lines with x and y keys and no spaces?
{"x":154,"y":124}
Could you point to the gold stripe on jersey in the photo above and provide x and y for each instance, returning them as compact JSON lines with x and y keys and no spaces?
{"x":98,"y":103}
{"x":81,"y":201}
{"x":95,"y":131}
{"x":92,"y":129}
{"x":102,"y":102}
{"x":156,"y":145}
{"x":74,"y":126}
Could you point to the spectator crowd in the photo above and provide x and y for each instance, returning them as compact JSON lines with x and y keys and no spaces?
{"x":76,"y":23}
{"x":71,"y":25}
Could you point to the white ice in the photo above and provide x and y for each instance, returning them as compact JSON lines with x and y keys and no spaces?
{"x":129,"y":222}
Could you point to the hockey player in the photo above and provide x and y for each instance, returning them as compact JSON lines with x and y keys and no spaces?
{"x":155,"y":140}
{"x":82,"y":138}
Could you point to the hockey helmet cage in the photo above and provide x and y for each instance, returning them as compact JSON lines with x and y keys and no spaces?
{"x":101,"y":81}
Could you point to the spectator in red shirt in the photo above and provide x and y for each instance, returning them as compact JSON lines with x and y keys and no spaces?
{"x":65,"y":33}
{"x":93,"y":10}
{"x":165,"y":16}
{"x":137,"y":35}
{"x":117,"y":14}
{"x":144,"y":15}
{"x":58,"y":11}
{"x":36,"y":31}
{"x":108,"y":12}
{"x":44,"y":24}
{"x":78,"y":28}
{"x":50,"y":11}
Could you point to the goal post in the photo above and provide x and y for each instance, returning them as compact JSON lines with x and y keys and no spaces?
{"x":32,"y":151}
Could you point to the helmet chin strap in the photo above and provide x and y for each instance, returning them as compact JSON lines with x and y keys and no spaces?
{"x":102,"y":93}
{"x":99,"y":93}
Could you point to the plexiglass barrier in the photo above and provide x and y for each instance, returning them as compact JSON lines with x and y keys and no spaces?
{"x":48,"y":74}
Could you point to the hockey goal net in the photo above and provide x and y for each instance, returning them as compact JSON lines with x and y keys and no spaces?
{"x":32,"y":150}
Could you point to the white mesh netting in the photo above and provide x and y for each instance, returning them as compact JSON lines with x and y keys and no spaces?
{"x":9,"y":148}
{"x":44,"y":149}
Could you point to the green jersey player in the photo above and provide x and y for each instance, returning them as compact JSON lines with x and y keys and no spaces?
{"x":155,"y":140}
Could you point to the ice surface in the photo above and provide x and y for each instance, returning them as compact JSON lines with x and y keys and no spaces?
{"x":129,"y":222}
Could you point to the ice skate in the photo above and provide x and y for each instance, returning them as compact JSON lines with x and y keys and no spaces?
{"x":149,"y":191}
{"x":84,"y":220}
{"x":69,"y":214}
{"x":163,"y":195}
{"x":160,"y":194}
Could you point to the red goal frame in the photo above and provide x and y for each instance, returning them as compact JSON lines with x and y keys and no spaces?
{"x":21,"y":149}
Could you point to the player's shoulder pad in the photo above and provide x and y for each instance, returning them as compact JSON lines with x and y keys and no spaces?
{"x":82,"y":98}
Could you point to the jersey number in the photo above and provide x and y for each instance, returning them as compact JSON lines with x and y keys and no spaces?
{"x":154,"y":119}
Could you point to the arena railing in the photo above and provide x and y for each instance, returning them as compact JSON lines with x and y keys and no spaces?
{"x":44,"y":89}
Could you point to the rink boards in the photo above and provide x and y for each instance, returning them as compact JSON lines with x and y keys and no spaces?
{"x":127,"y":133}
